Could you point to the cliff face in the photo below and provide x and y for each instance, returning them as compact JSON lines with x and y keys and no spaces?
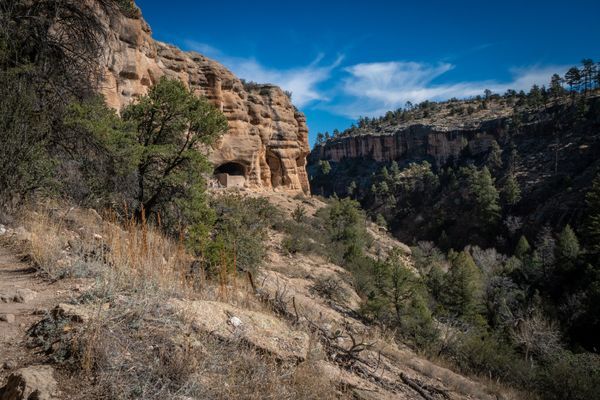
{"x":414,"y":142}
{"x":267,"y":141}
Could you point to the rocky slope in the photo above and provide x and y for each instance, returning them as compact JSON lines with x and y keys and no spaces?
{"x":280,"y":321}
{"x":267,"y":141}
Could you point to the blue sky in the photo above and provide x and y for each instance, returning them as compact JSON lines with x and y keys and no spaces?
{"x":348,"y":59}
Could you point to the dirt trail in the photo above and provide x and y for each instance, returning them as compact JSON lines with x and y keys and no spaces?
{"x":39,"y":295}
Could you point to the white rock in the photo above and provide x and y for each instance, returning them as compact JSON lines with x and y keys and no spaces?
{"x":8,"y":318}
{"x":235,"y":321}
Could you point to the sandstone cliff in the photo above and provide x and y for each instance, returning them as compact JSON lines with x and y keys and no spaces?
{"x":434,"y":142}
{"x":267,"y":141}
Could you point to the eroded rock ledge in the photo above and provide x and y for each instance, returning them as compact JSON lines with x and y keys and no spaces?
{"x":267,"y":142}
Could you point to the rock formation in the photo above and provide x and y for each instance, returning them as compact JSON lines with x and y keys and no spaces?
{"x":267,"y":141}
{"x":415,"y":142}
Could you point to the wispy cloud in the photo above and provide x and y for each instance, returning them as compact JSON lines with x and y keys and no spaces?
{"x":373,"y":88}
{"x":302,"y":81}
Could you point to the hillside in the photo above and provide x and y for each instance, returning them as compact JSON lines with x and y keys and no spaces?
{"x":130,"y":270}
{"x":551,"y":150}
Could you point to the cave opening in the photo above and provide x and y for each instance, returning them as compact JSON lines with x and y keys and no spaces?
{"x":231,"y":174}
{"x":231,"y":168}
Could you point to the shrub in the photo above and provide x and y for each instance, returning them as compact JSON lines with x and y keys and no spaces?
{"x":330,"y":288}
{"x":237,"y":234}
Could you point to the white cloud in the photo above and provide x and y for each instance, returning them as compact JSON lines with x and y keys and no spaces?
{"x":302,"y":81}
{"x":371,"y":89}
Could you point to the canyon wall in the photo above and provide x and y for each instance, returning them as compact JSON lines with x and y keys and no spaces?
{"x":412,"y":143}
{"x":267,"y":140}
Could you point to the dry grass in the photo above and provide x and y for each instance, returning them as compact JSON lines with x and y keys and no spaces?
{"x":135,"y":346}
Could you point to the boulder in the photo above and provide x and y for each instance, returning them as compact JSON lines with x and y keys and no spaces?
{"x":31,"y":383}
{"x":262,"y":331}
{"x":8,"y":318}
{"x":24,"y":295}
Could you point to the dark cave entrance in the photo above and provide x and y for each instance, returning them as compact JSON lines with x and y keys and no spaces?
{"x":231,"y":168}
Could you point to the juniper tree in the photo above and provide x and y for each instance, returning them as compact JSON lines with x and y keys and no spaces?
{"x":171,"y":123}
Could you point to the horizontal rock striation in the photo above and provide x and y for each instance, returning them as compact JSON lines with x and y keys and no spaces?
{"x":267,"y":141}
{"x":414,"y":142}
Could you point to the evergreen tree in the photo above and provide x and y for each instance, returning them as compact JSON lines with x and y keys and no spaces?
{"x":494,"y":158}
{"x":523,"y":248}
{"x":385,"y":175}
{"x":395,"y":169}
{"x":556,"y":88}
{"x":587,"y":74}
{"x":324,"y":167}
{"x":320,"y":138}
{"x":462,"y":286}
{"x":573,"y":78}
{"x":545,"y":251}
{"x":568,"y":246}
{"x":535,"y":96}
{"x":352,"y":189}
{"x":486,"y":197}
{"x":511,"y":191}
{"x":171,"y":123}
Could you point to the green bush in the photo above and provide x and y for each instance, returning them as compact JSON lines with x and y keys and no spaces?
{"x":571,"y":377}
{"x":236,"y":234}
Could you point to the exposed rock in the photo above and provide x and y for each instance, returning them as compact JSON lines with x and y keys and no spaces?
{"x":22,"y":234}
{"x":262,"y":331}
{"x":72,"y":312}
{"x":8,"y":318}
{"x":267,"y":141}
{"x":414,"y":142}
{"x":24,"y":295}
{"x":31,"y":383}
{"x":9,"y":365}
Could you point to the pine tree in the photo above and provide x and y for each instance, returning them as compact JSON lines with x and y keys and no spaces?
{"x":486,"y":197}
{"x":462,"y":286}
{"x":494,"y":158}
{"x":523,"y":248}
{"x":568,"y":245}
{"x":511,"y":191}
{"x":395,"y":169}
{"x":573,"y":78}
{"x":587,"y":74}
{"x":320,"y":138}
{"x":352,"y":189}
{"x":385,"y":173}
{"x":324,"y":167}
{"x":556,"y":88}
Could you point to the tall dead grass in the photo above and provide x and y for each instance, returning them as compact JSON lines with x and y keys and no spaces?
{"x":134,"y":346}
